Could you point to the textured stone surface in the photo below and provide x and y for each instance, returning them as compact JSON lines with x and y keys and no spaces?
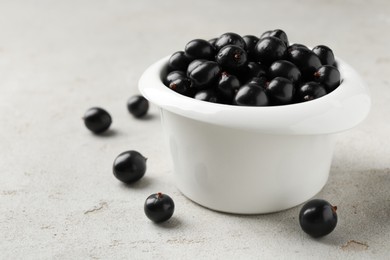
{"x":58,"y":197}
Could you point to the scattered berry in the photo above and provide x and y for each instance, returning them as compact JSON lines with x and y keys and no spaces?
{"x":318,"y":218}
{"x":159,"y":207}
{"x":97,"y":120}
{"x":138,"y":106}
{"x":129,"y":166}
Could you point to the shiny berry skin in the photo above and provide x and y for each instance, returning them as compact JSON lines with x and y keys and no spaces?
{"x":280,"y":91}
{"x":206,"y":74}
{"x":227,"y":87}
{"x":250,"y":43}
{"x":325,"y":54}
{"x":159,"y":207}
{"x":173,"y":75}
{"x":138,"y":106}
{"x":231,"y":58}
{"x":296,"y":45}
{"x":193,"y":65}
{"x":265,"y":34}
{"x":309,"y":91}
{"x":182,"y":86}
{"x":229,"y":39}
{"x":306,"y":60}
{"x":261,"y":81}
{"x":328,"y":76}
{"x":97,"y":120}
{"x":129,"y":166}
{"x":208,"y":95}
{"x":270,"y":49}
{"x":178,"y":61}
{"x":251,"y":95}
{"x":280,"y":34}
{"x":318,"y":218}
{"x":285,"y":69}
{"x":199,"y":49}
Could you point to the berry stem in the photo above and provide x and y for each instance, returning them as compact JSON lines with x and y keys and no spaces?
{"x":159,"y":195}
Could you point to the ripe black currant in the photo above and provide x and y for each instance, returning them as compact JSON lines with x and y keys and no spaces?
{"x":178,"y":61}
{"x":280,"y":91}
{"x":159,"y":207}
{"x":251,"y":95}
{"x":199,"y":49}
{"x":270,"y":49}
{"x":138,"y":106}
{"x":328,"y":76}
{"x":229,"y":39}
{"x":205,"y":74}
{"x":325,"y":54}
{"x":309,"y":91}
{"x":318,"y":218}
{"x":285,"y":69}
{"x":129,"y":166}
{"x":232,"y":58}
{"x":97,"y":120}
{"x":306,"y":60}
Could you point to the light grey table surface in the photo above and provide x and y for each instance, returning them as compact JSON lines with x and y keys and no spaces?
{"x":58,"y":196}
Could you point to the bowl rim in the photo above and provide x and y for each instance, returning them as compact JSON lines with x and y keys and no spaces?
{"x":340,"y":110}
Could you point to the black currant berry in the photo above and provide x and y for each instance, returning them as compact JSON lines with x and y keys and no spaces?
{"x":173,"y":75}
{"x":193,"y":65}
{"x":138,"y":106}
{"x":250,"y":43}
{"x":325,"y":54}
{"x":270,"y":49}
{"x":229,"y":39}
{"x":328,"y":76}
{"x":97,"y":120}
{"x":251,"y":95}
{"x":178,"y":61}
{"x":265,"y":34}
{"x":280,"y":91}
{"x":232,"y":58}
{"x":296,"y":45}
{"x":280,"y":34}
{"x":182,"y":86}
{"x":159,"y":207}
{"x":199,"y":49}
{"x":261,"y":81}
{"x":318,"y":218}
{"x":227,"y":87}
{"x":206,"y":74}
{"x":306,"y":60}
{"x":129,"y":166}
{"x":309,"y":91}
{"x":285,"y":69}
{"x":208,"y":95}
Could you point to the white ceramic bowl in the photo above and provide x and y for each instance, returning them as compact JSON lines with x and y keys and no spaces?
{"x":251,"y":160}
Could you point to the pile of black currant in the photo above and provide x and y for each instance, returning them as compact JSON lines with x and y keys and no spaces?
{"x":252,"y":71}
